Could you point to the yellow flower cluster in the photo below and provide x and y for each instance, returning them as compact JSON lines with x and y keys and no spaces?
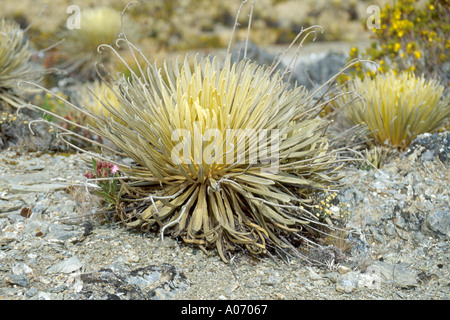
{"x":328,"y":206}
{"x":402,"y":26}
{"x":7,"y":118}
{"x":411,"y":38}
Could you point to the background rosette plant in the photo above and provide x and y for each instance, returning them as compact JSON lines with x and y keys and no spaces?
{"x":98,"y":25}
{"x":397,"y":108}
{"x":15,"y":64}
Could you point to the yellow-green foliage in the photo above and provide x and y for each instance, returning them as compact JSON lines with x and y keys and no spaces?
{"x":15,"y":63}
{"x":94,"y":96}
{"x":98,"y":26}
{"x":397,"y":108}
{"x":101,"y":25}
{"x":376,"y":157}
{"x":48,"y":102}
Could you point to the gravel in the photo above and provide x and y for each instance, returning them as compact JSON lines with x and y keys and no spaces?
{"x":52,"y":247}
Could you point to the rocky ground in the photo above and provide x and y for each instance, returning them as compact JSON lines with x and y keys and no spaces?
{"x":53,"y":247}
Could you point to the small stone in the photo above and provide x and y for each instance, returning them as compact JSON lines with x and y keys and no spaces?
{"x":438,"y":222}
{"x":314,"y":275}
{"x":7,"y":206}
{"x":371,"y":279}
{"x":5,"y":240}
{"x":333,"y":276}
{"x":62,"y":233}
{"x":133,"y":257}
{"x":400,"y":222}
{"x":21,"y":268}
{"x":343,"y":269}
{"x":389,"y":228}
{"x":348,"y":282}
{"x":66,"y":266}
{"x":38,"y":188}
{"x":153,"y":276}
{"x":19,"y":280}
{"x":32,"y":292}
{"x":44,"y":295}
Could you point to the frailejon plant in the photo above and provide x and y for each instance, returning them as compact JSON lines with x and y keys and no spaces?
{"x":15,"y":64}
{"x":224,"y":155}
{"x":101,"y":25}
{"x":397,"y":108}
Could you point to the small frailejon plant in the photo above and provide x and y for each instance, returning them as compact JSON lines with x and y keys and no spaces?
{"x":100,"y":25}
{"x":397,"y":108}
{"x":15,"y":64}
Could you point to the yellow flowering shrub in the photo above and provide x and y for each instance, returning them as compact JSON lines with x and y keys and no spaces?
{"x":413,"y":36}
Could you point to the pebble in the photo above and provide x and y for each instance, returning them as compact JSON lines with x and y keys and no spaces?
{"x":348,"y":282}
{"x":21,"y":268}
{"x":66,"y":266}
{"x":19,"y":280}
{"x":313,"y":274}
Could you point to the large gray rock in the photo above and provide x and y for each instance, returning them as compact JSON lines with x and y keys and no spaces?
{"x":398,"y":274}
{"x":309,"y":75}
{"x":320,"y":71}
